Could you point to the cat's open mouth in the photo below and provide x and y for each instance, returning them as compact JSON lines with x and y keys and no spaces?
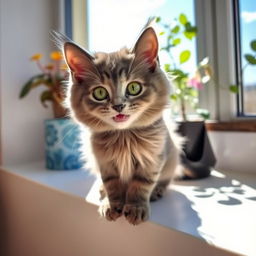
{"x":120,"y":118}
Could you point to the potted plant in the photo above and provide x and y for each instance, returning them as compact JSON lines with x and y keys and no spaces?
{"x":61,"y":134}
{"x":198,"y":158}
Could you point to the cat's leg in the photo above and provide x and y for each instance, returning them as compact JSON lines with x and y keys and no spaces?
{"x":112,"y":197}
{"x":137,"y":207}
{"x":159,"y":190}
{"x":166,"y":175}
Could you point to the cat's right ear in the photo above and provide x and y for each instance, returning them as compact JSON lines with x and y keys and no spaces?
{"x":79,"y":61}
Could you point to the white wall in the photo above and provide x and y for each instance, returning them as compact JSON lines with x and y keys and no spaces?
{"x":235,"y":151}
{"x":25,"y":27}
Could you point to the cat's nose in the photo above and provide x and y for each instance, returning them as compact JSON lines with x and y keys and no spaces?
{"x":119,"y":107}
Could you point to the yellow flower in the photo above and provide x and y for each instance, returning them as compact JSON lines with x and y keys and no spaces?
{"x":56,"y":56}
{"x":36,"y":57}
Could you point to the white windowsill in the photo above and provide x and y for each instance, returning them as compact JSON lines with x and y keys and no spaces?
{"x":220,"y":209}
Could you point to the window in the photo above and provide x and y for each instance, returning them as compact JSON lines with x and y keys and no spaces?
{"x":114,"y":24}
{"x":227,"y":38}
{"x":101,"y":25}
{"x":245,"y":20}
{"x":224,"y":35}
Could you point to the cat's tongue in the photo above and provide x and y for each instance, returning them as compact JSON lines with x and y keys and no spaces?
{"x":120,"y":118}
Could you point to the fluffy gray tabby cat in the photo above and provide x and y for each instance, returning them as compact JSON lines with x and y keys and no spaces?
{"x":121,"y":96}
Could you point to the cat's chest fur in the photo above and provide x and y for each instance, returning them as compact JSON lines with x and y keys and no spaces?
{"x":125,"y":150}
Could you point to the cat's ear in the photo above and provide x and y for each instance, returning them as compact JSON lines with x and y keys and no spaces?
{"x":146,"y":47}
{"x":79,"y":61}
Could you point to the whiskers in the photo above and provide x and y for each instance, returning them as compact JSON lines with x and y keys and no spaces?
{"x":134,"y":106}
{"x":91,"y":121}
{"x":104,"y":110}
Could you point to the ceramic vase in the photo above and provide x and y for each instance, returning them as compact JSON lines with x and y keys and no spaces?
{"x":62,"y":145}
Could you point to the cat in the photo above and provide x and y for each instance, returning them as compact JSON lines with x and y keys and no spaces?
{"x":120,"y":97}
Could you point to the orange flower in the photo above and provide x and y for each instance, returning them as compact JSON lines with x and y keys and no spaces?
{"x":56,"y":55}
{"x":36,"y":57}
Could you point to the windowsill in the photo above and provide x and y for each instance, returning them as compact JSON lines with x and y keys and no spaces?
{"x":206,"y":209}
{"x":234,"y":126}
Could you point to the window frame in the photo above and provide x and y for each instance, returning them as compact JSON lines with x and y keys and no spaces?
{"x":214,"y":21}
{"x":219,"y":39}
{"x":76,"y":21}
{"x":238,"y":56}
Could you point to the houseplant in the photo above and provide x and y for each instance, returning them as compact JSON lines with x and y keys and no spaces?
{"x":198,"y":158}
{"x":61,"y":134}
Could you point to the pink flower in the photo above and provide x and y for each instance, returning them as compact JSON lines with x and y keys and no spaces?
{"x":194,"y":82}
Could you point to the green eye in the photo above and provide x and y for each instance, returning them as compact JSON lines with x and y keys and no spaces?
{"x":134,"y":88}
{"x":100,"y":93}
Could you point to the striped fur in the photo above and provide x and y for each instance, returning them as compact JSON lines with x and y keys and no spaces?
{"x":136,"y":158}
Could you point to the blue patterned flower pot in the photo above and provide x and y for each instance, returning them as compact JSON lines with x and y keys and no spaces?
{"x":62,"y":144}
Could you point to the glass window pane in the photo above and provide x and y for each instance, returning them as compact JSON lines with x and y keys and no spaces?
{"x":117,"y":23}
{"x":247,"y":9}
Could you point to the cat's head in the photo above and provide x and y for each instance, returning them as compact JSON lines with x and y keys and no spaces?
{"x":120,"y":90}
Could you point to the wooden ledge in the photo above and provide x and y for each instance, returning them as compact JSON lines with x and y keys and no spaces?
{"x":235,"y":126}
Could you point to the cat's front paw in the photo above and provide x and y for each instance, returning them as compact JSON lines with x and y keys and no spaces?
{"x":136,"y":213}
{"x":111,"y":211}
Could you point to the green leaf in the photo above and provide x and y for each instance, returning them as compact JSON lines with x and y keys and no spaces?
{"x":183,"y":19}
{"x":184,"y":56}
{"x":46,"y":96}
{"x":176,"y":29}
{"x":25,"y":89}
{"x":32,"y":83}
{"x":253,"y":45}
{"x":182,"y":86}
{"x":250,"y":58}
{"x":179,"y":74}
{"x":167,"y":67}
{"x":189,"y":35}
{"x":191,"y":92}
{"x":176,"y":41}
{"x":174,"y":97}
{"x":204,"y":113}
{"x":234,"y":88}
{"x":158,"y":19}
{"x":161,"y":33}
{"x":190,"y":28}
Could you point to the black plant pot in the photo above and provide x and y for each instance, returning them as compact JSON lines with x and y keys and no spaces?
{"x":197,"y":157}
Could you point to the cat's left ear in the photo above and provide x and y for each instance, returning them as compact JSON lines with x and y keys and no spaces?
{"x":146,"y":47}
